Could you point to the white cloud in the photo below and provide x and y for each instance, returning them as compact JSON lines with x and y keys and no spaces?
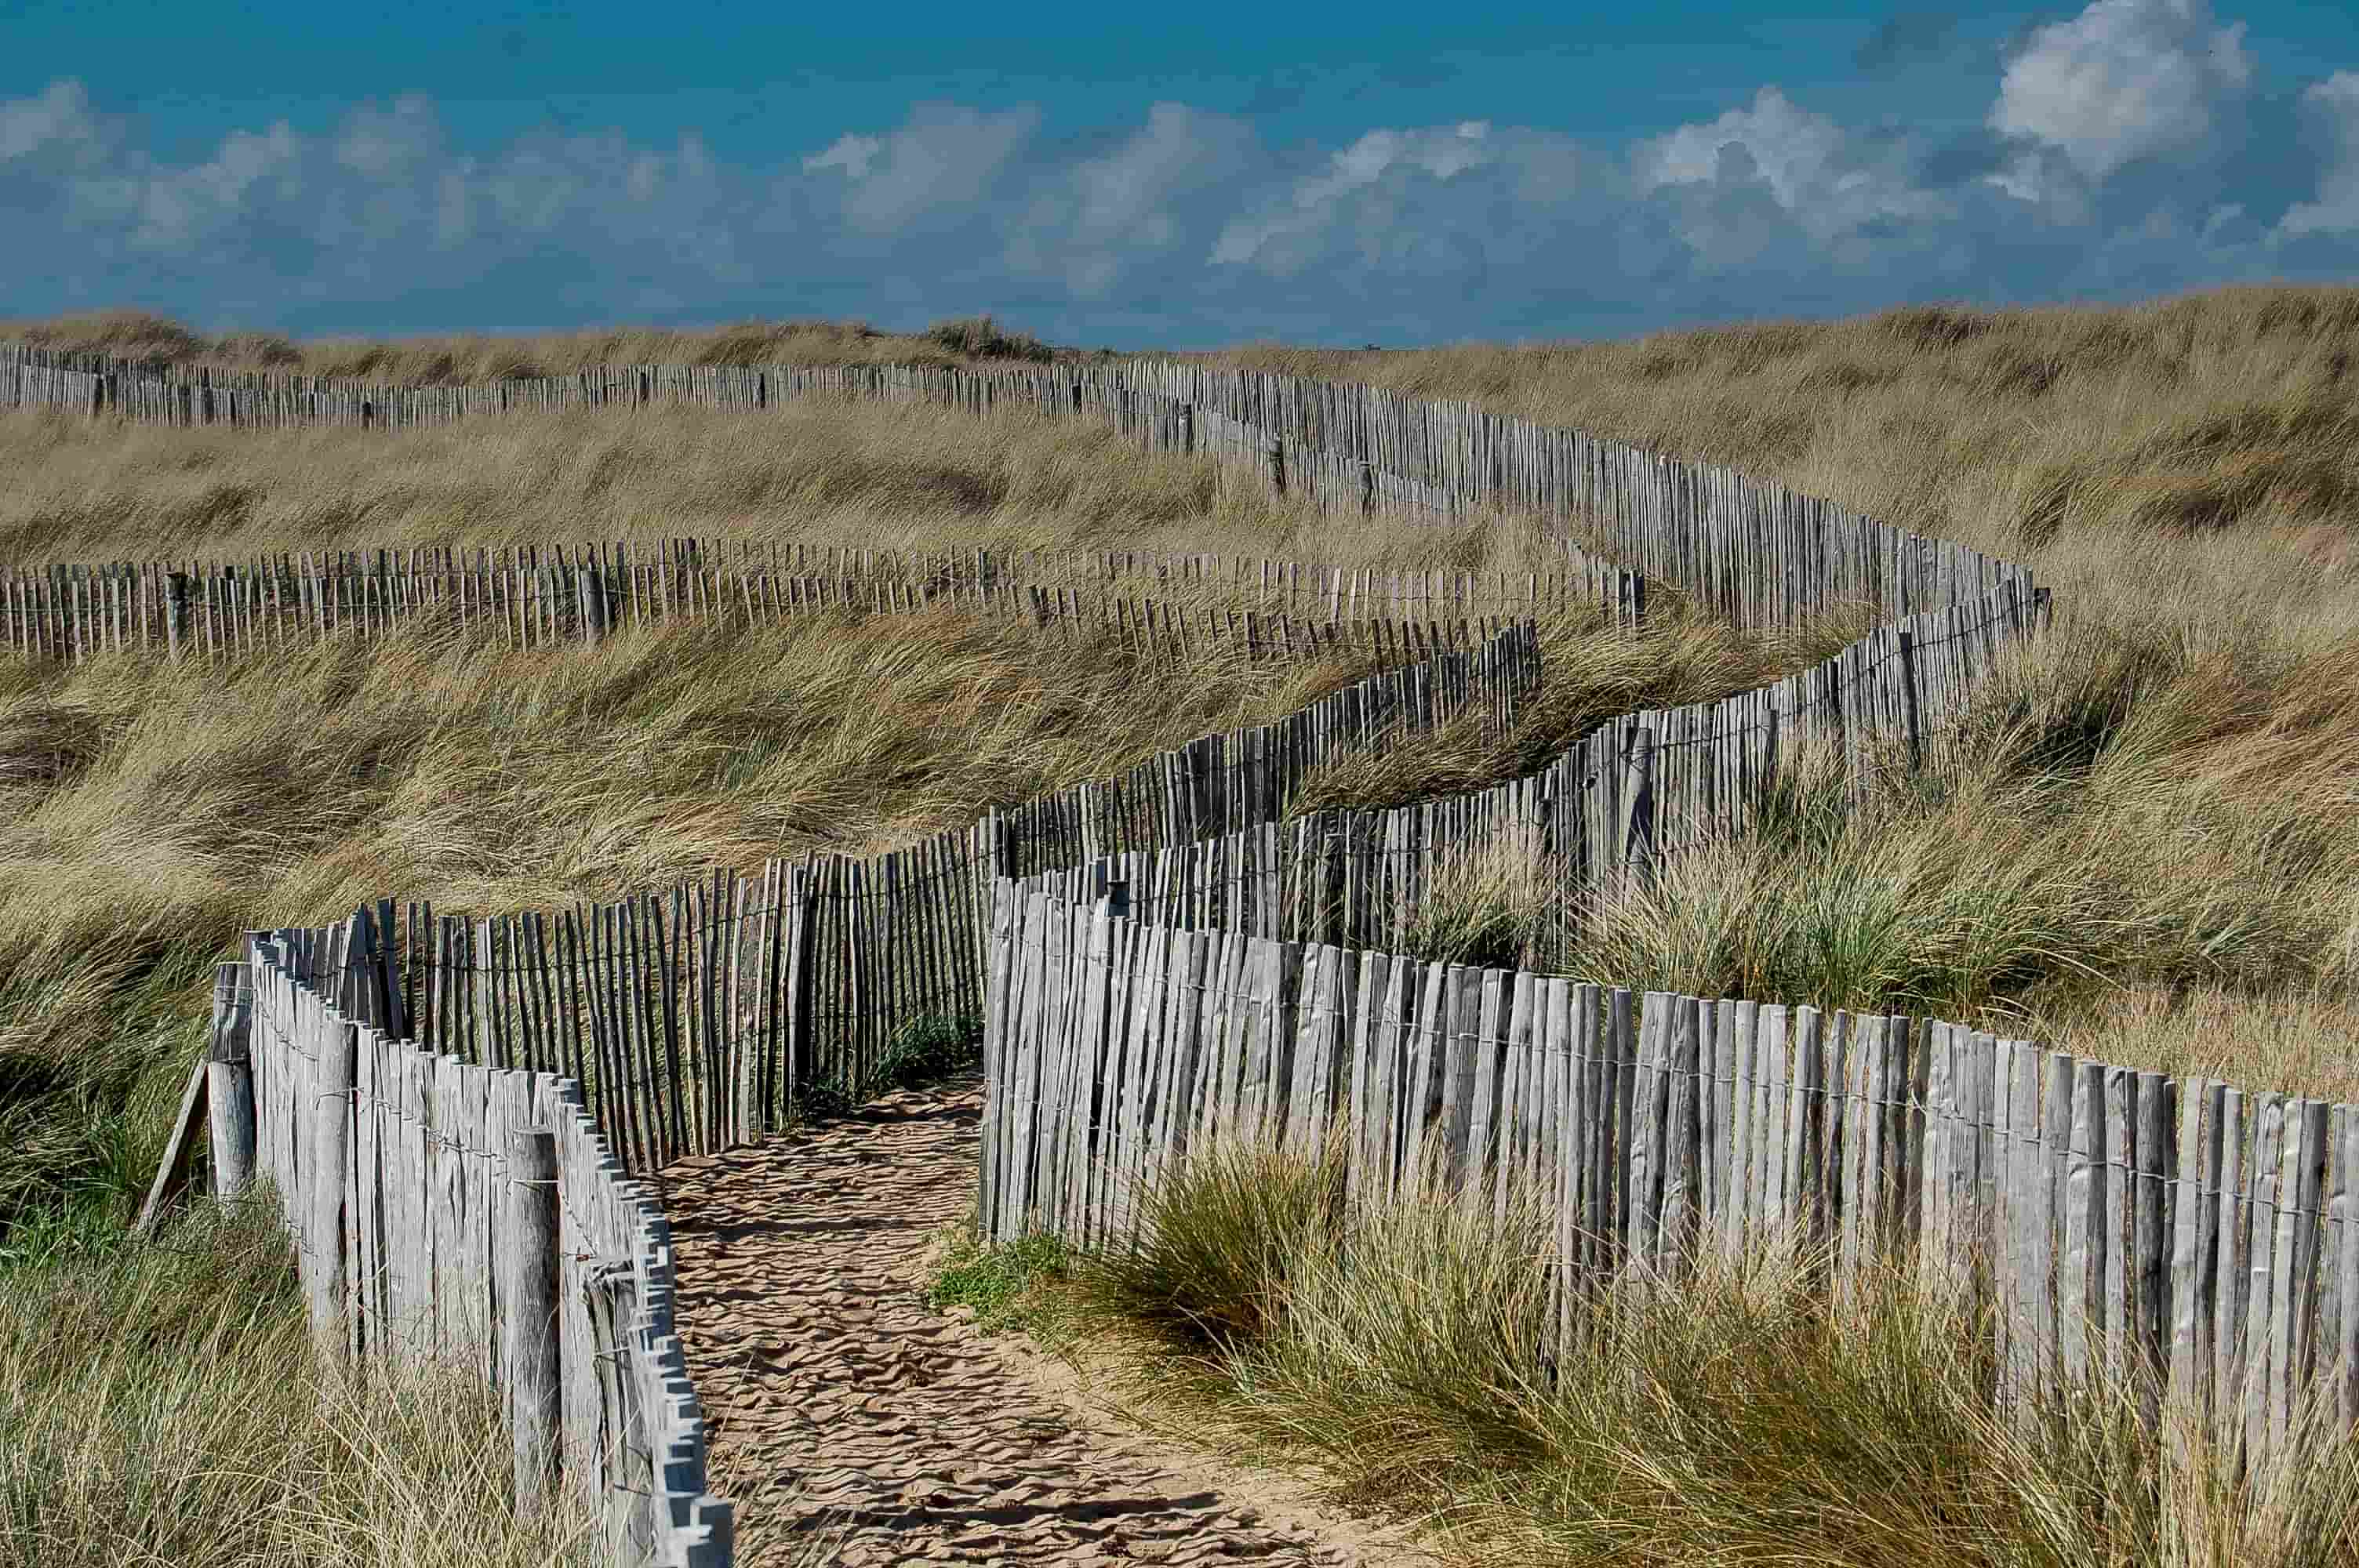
{"x":1184,"y":225}
{"x":385,"y":144}
{"x":1107,"y":217}
{"x":2334,"y":104}
{"x":849,"y":152}
{"x":56,"y":125}
{"x":179,"y":208}
{"x":2123,"y":80}
{"x":944,"y":158}
{"x":1360,"y":187}
{"x":1813,"y":166}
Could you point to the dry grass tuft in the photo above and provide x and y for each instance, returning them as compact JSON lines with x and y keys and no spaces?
{"x":2146,"y":855}
{"x":160,"y":1405}
{"x":475,"y":357}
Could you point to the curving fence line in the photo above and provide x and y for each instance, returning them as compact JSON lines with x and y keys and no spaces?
{"x":699,"y":1019}
{"x":1759,"y":554}
{"x":100,"y":385}
{"x":656,"y":1012}
{"x":1638,"y":789}
{"x":2198,"y":1242}
{"x":1160,"y":609}
{"x":467,"y":1215}
{"x":453,"y":1112}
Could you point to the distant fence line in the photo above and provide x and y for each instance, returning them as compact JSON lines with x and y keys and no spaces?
{"x":460,"y":1214}
{"x":102,"y":385}
{"x":1757,"y":553}
{"x":2196,"y":1238}
{"x":527,"y":598}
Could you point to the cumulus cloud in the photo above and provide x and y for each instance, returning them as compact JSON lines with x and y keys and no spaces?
{"x":1137,"y":208}
{"x":57,"y":126}
{"x":1828,"y":180}
{"x":2334,"y":106}
{"x":944,"y":160}
{"x":2124,"y":80}
{"x":1359,"y":192}
{"x":2128,"y":148}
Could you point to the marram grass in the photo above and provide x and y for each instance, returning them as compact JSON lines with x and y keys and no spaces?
{"x":1403,"y":1359}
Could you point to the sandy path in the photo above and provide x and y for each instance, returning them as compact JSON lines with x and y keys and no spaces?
{"x":853,"y":1423}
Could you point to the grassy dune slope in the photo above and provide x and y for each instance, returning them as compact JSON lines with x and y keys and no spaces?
{"x":2149,"y":857}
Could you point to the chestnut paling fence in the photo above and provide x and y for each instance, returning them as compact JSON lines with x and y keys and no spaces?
{"x":2196,"y":1240}
{"x":472,"y":1215}
{"x":1638,"y":789}
{"x":694,"y":1019}
{"x":1157,"y":609}
{"x":665,"y":1024}
{"x":1757,"y":552}
{"x":459,"y":1115}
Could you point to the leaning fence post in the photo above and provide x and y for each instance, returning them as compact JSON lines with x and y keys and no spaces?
{"x":529,"y":1293}
{"x":229,"y":1072}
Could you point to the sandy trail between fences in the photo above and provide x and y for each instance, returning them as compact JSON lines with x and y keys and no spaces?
{"x":853,"y":1423}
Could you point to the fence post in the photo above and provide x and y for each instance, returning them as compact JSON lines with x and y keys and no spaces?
{"x":590,"y":589}
{"x":176,"y":613}
{"x":528,"y":1292}
{"x":1909,"y":700}
{"x":1367,"y":488}
{"x":1638,"y":807}
{"x":1278,"y":463}
{"x":1187,"y":427}
{"x":1086,"y":798}
{"x":331,"y":1142}
{"x":229,"y":1074}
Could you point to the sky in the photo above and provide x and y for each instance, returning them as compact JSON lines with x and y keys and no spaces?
{"x":1160,"y":177}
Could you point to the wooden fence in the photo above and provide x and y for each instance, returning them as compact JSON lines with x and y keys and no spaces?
{"x":220,"y":611}
{"x":474,"y":1215}
{"x":2196,"y":1238}
{"x":1759,"y":554}
{"x":689,"y":1023}
{"x":695,"y":1020}
{"x":1638,"y":789}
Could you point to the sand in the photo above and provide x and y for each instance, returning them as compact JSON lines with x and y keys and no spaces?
{"x":853,"y":1423}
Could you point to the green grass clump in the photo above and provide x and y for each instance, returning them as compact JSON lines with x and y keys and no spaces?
{"x":1006,"y":1285}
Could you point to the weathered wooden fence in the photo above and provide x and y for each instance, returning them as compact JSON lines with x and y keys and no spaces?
{"x":471,"y":1214}
{"x":2196,"y":1238}
{"x":694,"y":1020}
{"x":689,"y":1022}
{"x":1757,"y":552}
{"x":1159,"y":608}
{"x":1640,"y":788}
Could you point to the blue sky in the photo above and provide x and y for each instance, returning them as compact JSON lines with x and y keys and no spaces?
{"x":1182,"y":177}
